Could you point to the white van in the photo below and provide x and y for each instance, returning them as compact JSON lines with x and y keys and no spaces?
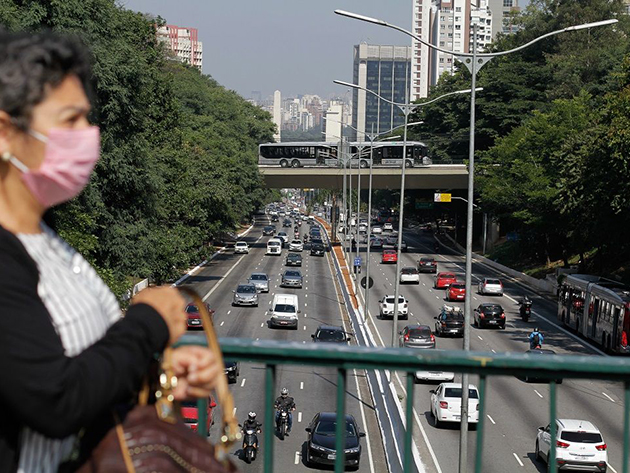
{"x":284,"y":311}
{"x":274,"y":247}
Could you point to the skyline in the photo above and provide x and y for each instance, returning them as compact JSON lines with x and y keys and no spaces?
{"x":239,"y":61}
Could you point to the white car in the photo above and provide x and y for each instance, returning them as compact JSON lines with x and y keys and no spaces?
{"x":377,"y":230}
{"x":491,"y":286}
{"x":579,"y":445}
{"x":274,"y":246}
{"x":283,"y":236}
{"x":386,"y":306}
{"x":388,"y":227}
{"x":409,"y":275}
{"x":433,"y":375}
{"x":241,"y":247}
{"x":446,"y":403}
{"x":296,"y":245}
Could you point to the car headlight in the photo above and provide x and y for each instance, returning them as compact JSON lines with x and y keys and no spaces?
{"x":353,"y":450}
{"x":318,"y":448}
{"x":230,"y":368}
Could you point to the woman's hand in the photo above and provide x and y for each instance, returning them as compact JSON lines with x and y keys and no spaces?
{"x":197,"y":370}
{"x":170,"y":304}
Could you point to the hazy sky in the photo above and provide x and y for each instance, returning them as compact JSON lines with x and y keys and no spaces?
{"x":296,"y":46}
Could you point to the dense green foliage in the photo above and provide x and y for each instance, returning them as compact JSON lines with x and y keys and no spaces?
{"x":552,"y":132}
{"x":179,"y":151}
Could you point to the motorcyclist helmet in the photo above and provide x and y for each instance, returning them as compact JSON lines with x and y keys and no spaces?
{"x":251,"y":416}
{"x":284,"y":392}
{"x":536,"y":329}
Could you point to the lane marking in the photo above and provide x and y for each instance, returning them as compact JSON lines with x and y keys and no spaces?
{"x":304,"y":327}
{"x":243,"y":382}
{"x":611,"y":468}
{"x":304,"y":314}
{"x":257,"y":339}
{"x":539,"y":395}
{"x":297,"y":458}
{"x":221,"y":324}
{"x":493,"y":351}
{"x":234,"y":411}
{"x":228,"y":312}
{"x":479,"y":337}
{"x":301,"y":384}
{"x":262,"y":324}
{"x":299,"y":416}
{"x":611,"y":399}
{"x":517,"y":458}
{"x":491,"y":419}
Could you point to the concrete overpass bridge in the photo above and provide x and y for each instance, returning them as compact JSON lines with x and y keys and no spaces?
{"x":435,"y":176}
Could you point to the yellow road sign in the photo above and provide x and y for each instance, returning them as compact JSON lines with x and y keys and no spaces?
{"x":437,"y":197}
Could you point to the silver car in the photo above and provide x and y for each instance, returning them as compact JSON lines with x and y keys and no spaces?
{"x":292,"y":278}
{"x":260,"y":280}
{"x":491,"y":286}
{"x":245,"y":294}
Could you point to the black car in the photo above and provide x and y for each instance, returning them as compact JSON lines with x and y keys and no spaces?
{"x":330,"y":334}
{"x":427,"y":265}
{"x":489,"y":314}
{"x":320,"y":445}
{"x":449,"y":322}
{"x":269,"y":230}
{"x":539,"y":351}
{"x":287,"y":223}
{"x":294,"y":259}
{"x":317,"y":248}
{"x":274,"y":218}
{"x":232,"y":370}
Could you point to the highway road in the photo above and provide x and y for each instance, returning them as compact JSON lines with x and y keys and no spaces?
{"x":313,"y":388}
{"x":515,"y":409}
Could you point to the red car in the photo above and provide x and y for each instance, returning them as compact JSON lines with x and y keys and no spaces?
{"x":194,"y":317}
{"x":456,"y":292}
{"x":389,"y":256}
{"x":444,"y":280}
{"x":190,"y":414}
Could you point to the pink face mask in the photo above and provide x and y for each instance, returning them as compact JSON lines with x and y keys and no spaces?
{"x":69,"y":159}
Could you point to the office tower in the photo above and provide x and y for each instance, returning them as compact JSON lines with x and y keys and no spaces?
{"x":183,"y":43}
{"x":385,"y":70}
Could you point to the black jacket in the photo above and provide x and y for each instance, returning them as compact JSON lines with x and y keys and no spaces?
{"x":285,"y":403}
{"x":41,"y":387}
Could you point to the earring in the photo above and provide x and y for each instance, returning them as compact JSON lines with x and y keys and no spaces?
{"x":6,"y":156}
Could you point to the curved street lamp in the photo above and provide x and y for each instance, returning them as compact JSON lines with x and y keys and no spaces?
{"x":474,"y":62}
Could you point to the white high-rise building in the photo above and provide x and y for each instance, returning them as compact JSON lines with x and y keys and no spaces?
{"x":277,"y":114}
{"x":334,"y":115}
{"x":183,"y":43}
{"x":424,"y":13}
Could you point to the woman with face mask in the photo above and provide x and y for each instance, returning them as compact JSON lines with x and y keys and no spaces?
{"x":66,"y":355}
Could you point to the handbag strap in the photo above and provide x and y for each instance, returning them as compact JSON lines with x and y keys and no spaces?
{"x":230,"y":429}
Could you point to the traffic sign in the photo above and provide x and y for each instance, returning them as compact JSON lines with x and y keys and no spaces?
{"x":437,"y":197}
{"x":357,"y":261}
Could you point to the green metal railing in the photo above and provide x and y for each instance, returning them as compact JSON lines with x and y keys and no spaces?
{"x":345,"y":358}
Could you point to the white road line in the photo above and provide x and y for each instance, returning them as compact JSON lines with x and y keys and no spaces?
{"x":262,"y":324}
{"x":243,"y":382}
{"x":257,"y":339}
{"x":518,"y":459}
{"x":234,"y":411}
{"x":305,"y":295}
{"x":611,"y":399}
{"x":493,"y":351}
{"x":479,"y":337}
{"x":221,"y":324}
{"x":539,"y":395}
{"x":611,"y":468}
{"x":299,"y":417}
{"x":305,"y":304}
{"x":228,"y":312}
{"x":476,"y":299}
{"x":437,"y":297}
{"x":304,"y":327}
{"x":491,"y":420}
{"x":297,"y":458}
{"x":301,"y":384}
{"x":269,"y":302}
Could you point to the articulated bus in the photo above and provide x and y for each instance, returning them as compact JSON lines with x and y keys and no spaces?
{"x":300,"y":154}
{"x":597,"y":308}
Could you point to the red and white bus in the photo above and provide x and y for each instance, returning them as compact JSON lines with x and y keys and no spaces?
{"x":597,"y":308}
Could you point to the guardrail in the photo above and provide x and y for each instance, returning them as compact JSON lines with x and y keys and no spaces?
{"x":344,"y":358}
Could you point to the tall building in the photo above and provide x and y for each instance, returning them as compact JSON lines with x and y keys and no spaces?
{"x":334,"y":119}
{"x":385,"y":70}
{"x":277,"y":114}
{"x":424,"y":17}
{"x":503,"y":11}
{"x":184,"y":44}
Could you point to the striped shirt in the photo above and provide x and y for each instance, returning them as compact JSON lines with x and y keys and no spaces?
{"x":82,"y":308}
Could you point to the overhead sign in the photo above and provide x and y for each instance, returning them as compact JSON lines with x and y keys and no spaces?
{"x":437,"y":197}
{"x":357,"y":261}
{"x":424,"y":205}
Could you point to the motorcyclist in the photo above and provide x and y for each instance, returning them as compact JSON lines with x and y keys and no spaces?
{"x":285,"y":402}
{"x":251,"y":423}
{"x":535,"y":339}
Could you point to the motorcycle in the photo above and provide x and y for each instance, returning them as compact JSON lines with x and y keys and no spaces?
{"x":526,"y":308}
{"x":282,"y":424}
{"x":250,"y":444}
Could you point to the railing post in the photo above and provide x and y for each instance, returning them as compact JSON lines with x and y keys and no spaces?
{"x":407,"y":452}
{"x":340,"y":431}
{"x":553,"y":431}
{"x":270,"y":424}
{"x":626,"y":428}
{"x":481,"y":423}
{"x":202,"y":418}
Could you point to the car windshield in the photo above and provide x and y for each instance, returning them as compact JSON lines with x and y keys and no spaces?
{"x":492,"y":308}
{"x":273,"y":243}
{"x":581,"y":437}
{"x":292,"y":273}
{"x":493,"y":281}
{"x":284,"y":308}
{"x":458,"y":286}
{"x":447,"y":276}
{"x":192,"y":309}
{"x":454,"y":316}
{"x":246,"y":289}
{"x":457,"y":392}
{"x":296,"y":242}
{"x":282,"y":234}
{"x":258,"y":277}
{"x":328,"y":428}
{"x":333,"y":335}
{"x":409,"y":271}
{"x":420,"y":332}
{"x":294,"y":256}
{"x":241,"y":244}
{"x":390,"y":300}
{"x":426,"y":260}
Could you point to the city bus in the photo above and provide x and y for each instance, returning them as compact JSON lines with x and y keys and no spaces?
{"x":597,"y":308}
{"x":301,"y":154}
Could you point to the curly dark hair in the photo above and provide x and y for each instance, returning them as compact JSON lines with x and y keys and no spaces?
{"x":31,"y":64}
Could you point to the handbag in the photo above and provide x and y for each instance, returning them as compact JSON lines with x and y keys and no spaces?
{"x":152,"y":437}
